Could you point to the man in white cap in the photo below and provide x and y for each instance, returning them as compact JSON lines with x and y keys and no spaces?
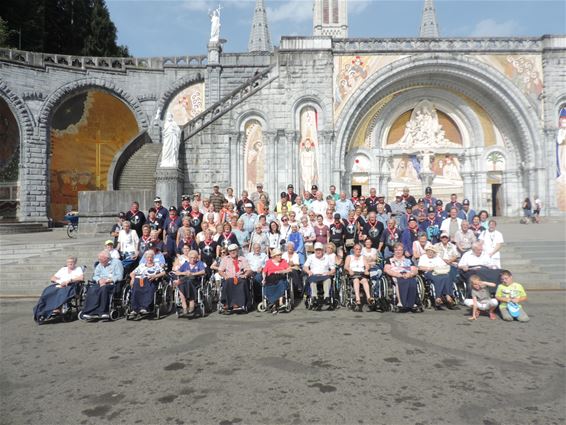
{"x":160,"y":211}
{"x":398,"y":206}
{"x":112,"y":252}
{"x":319,"y":270}
{"x":235,"y":270}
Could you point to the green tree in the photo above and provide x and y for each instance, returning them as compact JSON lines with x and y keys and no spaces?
{"x":101,"y":40}
{"x":4,"y":32}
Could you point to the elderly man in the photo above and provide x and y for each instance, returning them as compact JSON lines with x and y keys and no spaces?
{"x":466,"y":213}
{"x":256,"y":259}
{"x":344,"y":206}
{"x":398,"y":206}
{"x":372,"y":200}
{"x":333,"y":193}
{"x":464,"y":237}
{"x":216,"y":198}
{"x":408,"y":198}
{"x":235,"y":270}
{"x":492,"y":243}
{"x":319,"y":270}
{"x":61,"y":290}
{"x":431,"y":226}
{"x":477,"y":262}
{"x":291,"y":193}
{"x":449,"y":253}
{"x":453,"y":203}
{"x":249,"y":218}
{"x":259,"y":237}
{"x":390,"y":236}
{"x":319,"y":205}
{"x":106,"y":274}
{"x":451,"y":224}
{"x":128,"y":243}
{"x":259,"y":191}
{"x":160,"y":210}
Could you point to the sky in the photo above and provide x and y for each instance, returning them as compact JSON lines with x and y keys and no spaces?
{"x":182,"y":27}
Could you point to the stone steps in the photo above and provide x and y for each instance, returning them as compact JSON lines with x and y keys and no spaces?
{"x":139,"y":171}
{"x":19,"y":228}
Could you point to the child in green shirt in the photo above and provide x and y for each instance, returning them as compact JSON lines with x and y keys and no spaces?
{"x":510,"y":296}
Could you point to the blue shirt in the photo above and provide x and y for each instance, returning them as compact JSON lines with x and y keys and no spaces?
{"x":256,"y":261}
{"x":113,"y":270}
{"x":249,"y":221}
{"x":344,"y":207}
{"x":187,"y":267}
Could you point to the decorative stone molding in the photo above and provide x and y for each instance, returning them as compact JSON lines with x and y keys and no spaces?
{"x":33,"y":95}
{"x":20,"y":110}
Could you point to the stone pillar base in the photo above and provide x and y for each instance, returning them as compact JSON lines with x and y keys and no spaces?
{"x":169,"y":186}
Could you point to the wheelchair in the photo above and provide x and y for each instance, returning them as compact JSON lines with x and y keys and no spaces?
{"x":116,"y":305}
{"x":163,"y":300}
{"x":288,"y":297}
{"x":351,"y":295}
{"x":221,"y":298}
{"x":316,"y":301}
{"x":458,"y":293}
{"x":203,"y":301}
{"x":70,"y":309}
{"x":393,"y":298}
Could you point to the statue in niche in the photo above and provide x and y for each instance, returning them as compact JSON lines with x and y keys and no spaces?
{"x":171,"y":142}
{"x":214,"y":16}
{"x":423,"y":129}
{"x":561,"y":145}
{"x":308,"y":148}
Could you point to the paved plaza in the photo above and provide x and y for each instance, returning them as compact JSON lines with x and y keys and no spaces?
{"x":304,"y":367}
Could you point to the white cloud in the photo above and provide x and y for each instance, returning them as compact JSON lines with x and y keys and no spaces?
{"x":492,"y":28}
{"x":292,"y":10}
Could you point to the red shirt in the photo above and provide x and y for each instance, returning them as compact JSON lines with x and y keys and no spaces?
{"x":271,"y":267}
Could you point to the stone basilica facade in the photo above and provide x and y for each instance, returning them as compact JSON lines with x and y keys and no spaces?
{"x":473,"y":116}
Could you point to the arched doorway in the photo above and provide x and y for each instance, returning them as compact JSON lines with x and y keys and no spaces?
{"x":87,"y":130}
{"x":9,"y":162}
{"x":473,"y":110}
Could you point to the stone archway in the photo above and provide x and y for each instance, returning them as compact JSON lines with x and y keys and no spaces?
{"x":504,"y":103}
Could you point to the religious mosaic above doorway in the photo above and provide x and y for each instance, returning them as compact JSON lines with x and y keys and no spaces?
{"x":187,"y":104}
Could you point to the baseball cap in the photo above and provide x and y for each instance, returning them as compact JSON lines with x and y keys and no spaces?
{"x":248,"y":205}
{"x":466,"y":202}
{"x":232,"y":247}
{"x":337,"y":216}
{"x":186,"y":198}
{"x":431,"y":210}
{"x":412,"y":219}
{"x":314,"y":187}
{"x":259,"y":185}
{"x":290,"y":186}
{"x":438,"y":202}
{"x":157,"y":199}
{"x":109,"y":242}
{"x":421,"y":200}
{"x":399,"y":194}
{"x":444,"y":235}
{"x":318,"y":245}
{"x":122,"y":215}
{"x":381,"y":195}
{"x":428,"y":189}
{"x":283,"y":194}
{"x":172,"y":208}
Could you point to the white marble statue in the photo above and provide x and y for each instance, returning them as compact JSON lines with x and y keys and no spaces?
{"x":561,"y":152}
{"x":171,"y":141}
{"x":308,"y":164}
{"x":423,"y":129}
{"x":425,"y":162}
{"x":215,"y":25}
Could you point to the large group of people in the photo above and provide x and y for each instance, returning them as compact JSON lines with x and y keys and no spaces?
{"x":259,"y":240}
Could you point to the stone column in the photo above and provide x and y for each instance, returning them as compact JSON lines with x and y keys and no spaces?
{"x":214,"y":70}
{"x":512,"y":192}
{"x":271,"y":165}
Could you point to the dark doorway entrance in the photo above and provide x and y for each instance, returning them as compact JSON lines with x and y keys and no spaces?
{"x":358,"y":188}
{"x":496,"y":199}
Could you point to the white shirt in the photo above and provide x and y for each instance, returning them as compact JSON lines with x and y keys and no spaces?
{"x":63,"y":274}
{"x":307,"y":232}
{"x":435,"y":262}
{"x":319,"y":265}
{"x":294,"y":258}
{"x":445,"y":226}
{"x":471,"y":260}
{"x":319,"y":207}
{"x":490,"y":239}
{"x":114,"y":254}
{"x":128,"y":242}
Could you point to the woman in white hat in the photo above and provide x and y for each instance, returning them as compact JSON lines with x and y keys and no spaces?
{"x":438,"y":272}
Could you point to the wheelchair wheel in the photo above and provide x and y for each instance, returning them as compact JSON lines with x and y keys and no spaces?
{"x":168,"y":300}
{"x":81,"y":317}
{"x":262,"y":306}
{"x":72,"y":231}
{"x":114,"y":315}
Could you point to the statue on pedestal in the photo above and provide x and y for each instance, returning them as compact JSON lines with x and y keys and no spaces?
{"x":214,"y":16}
{"x":171,"y":142}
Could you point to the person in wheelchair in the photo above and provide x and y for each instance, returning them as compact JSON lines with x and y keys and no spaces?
{"x":403,"y":272}
{"x":257,"y":259}
{"x":275,"y":280}
{"x":61,"y":290}
{"x":437,"y":272}
{"x":235,"y":270}
{"x":320,"y":271}
{"x":190,"y":275}
{"x":143,"y":280}
{"x":357,"y":266}
{"x":294,"y":262}
{"x":107,"y":274}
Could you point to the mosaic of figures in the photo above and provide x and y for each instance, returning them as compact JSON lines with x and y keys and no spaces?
{"x":187,"y":104}
{"x":254,"y":166}
{"x":308,"y":148}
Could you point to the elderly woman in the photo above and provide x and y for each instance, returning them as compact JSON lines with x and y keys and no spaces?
{"x":242,"y":236}
{"x":262,"y":206}
{"x":275,"y":280}
{"x":235,"y":270}
{"x":403,"y":272}
{"x":321,"y":230}
{"x":198,"y":204}
{"x":61,"y":290}
{"x":190,"y":274}
{"x":438,"y":272}
{"x":142,"y":281}
{"x":259,"y":237}
{"x":188,"y":239}
{"x":357,"y":267}
{"x":202,"y":234}
{"x":419,"y":246}
{"x":184,"y":229}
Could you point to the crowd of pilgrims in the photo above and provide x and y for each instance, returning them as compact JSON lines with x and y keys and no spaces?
{"x":287,"y":232}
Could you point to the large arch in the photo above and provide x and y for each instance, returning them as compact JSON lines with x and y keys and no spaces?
{"x":49,"y":110}
{"x":501,"y":99}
